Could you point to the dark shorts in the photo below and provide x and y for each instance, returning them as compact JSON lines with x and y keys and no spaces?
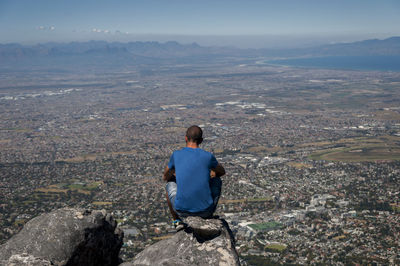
{"x":215,"y":186}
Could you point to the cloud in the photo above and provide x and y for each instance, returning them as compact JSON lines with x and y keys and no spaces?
{"x":116,"y":32}
{"x":46,"y":28}
{"x":100,"y":31}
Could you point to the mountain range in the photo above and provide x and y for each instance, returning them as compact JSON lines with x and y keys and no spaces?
{"x":102,"y":54}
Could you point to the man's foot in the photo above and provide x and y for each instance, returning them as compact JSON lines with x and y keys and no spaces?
{"x":178,"y":224}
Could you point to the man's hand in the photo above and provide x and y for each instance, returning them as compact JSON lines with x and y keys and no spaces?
{"x":218,"y":171}
{"x":169,"y":174}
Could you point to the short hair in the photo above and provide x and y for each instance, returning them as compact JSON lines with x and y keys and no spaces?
{"x":194,"y":134}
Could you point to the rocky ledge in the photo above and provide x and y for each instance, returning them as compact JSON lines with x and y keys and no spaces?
{"x":202,"y":242}
{"x":65,"y":237}
{"x":81,"y":237}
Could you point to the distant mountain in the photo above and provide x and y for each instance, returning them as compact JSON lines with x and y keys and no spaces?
{"x":101,"y":54}
{"x":148,"y":49}
{"x":390,"y":46}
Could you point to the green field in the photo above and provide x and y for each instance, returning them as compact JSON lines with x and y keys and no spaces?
{"x":266,"y":226}
{"x":253,"y":260}
{"x":275,"y":248}
{"x":358,"y":154}
{"x":395,"y":207}
{"x":362,"y":150}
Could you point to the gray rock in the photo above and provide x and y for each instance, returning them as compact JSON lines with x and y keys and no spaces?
{"x":203,"y":242}
{"x":66,"y":237}
{"x":26,"y":259}
{"x":204,"y":229}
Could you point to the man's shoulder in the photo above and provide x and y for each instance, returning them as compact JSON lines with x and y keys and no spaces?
{"x":206,"y":154}
{"x":197,"y":150}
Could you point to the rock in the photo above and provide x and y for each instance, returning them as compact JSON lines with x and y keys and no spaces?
{"x":26,"y":259}
{"x":65,"y":237}
{"x":203,"y":242}
{"x":204,"y":229}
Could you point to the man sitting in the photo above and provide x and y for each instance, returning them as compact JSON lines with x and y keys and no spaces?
{"x":193,"y":179}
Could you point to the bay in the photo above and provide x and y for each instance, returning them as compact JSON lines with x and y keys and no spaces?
{"x":376,"y":62}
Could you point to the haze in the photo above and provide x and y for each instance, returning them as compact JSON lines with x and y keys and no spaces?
{"x":244,"y":24}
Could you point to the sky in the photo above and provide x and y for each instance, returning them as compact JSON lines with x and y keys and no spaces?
{"x":242,"y":23}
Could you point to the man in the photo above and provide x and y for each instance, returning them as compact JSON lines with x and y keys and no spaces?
{"x":193,"y":179}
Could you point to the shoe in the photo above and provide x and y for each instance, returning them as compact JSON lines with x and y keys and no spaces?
{"x":178,"y":224}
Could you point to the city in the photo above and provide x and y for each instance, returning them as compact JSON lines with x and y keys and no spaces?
{"x":312,"y":156}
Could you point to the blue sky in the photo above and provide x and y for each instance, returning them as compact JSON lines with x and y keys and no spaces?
{"x":211,"y":22}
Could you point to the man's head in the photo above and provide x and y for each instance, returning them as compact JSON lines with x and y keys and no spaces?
{"x":194,"y":134}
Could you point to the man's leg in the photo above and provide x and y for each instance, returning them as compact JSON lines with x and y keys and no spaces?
{"x":171,"y":193}
{"x":172,"y":211}
{"x":215,"y":187}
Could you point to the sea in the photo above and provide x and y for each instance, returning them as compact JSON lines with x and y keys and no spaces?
{"x":372,"y":63}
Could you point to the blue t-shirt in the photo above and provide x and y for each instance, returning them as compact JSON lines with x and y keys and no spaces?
{"x":192,"y":170}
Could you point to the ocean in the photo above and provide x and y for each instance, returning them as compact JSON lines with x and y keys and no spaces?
{"x":375,"y":63}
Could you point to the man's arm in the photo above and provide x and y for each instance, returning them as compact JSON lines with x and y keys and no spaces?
{"x":169,"y":174}
{"x":218,"y":171}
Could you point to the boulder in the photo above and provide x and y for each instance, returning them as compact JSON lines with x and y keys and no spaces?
{"x":202,"y":242}
{"x":26,"y":259}
{"x":66,"y":236}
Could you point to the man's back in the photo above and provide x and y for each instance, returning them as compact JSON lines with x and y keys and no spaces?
{"x":192,"y":169}
{"x":193,"y":179}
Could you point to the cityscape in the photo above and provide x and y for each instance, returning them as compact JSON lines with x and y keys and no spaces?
{"x":312,"y":156}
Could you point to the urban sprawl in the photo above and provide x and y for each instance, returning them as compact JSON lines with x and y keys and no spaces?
{"x":311,"y":155}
